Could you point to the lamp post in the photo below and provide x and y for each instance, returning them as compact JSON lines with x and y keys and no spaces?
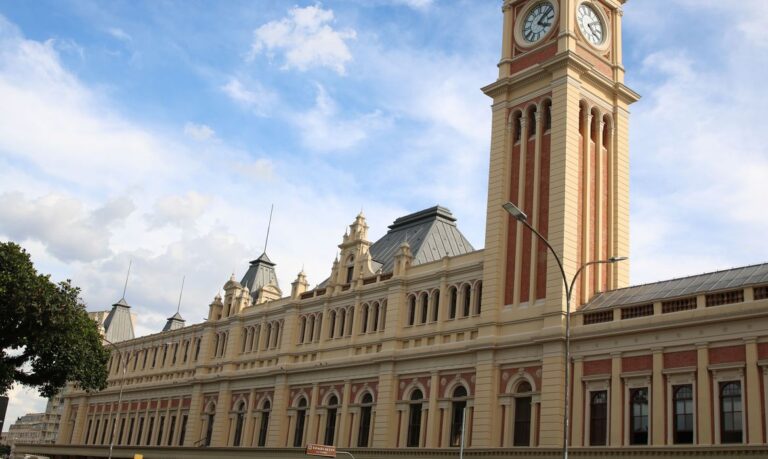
{"x":520,"y":216}
{"x":119,"y":397}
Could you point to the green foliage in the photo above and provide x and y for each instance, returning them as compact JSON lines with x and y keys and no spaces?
{"x":46,"y":336}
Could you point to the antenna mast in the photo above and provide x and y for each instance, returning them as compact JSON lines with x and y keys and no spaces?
{"x":125,"y":286}
{"x":269,"y":225}
{"x":180,"y":293}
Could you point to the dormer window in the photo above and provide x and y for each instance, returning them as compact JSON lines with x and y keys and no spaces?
{"x":350,"y":269}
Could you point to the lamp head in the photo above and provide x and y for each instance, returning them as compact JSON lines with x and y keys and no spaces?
{"x":617,"y":259}
{"x":515,"y":212}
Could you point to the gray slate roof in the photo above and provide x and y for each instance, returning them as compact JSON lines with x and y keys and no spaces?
{"x":261,"y":272}
{"x":686,"y":286}
{"x":174,"y":322}
{"x":432,"y":234}
{"x":118,"y":325}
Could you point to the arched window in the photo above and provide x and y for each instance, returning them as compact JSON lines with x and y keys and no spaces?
{"x":522,"y":426}
{"x":301,"y":413}
{"x":452,"y":303}
{"x":517,"y":125}
{"x":330,"y":420}
{"x":331,"y":323}
{"x":730,"y":412}
{"x":638,"y":416}
{"x":239,"y":420}
{"x":467,"y":296}
{"x":311,"y":329}
{"x":682,"y":405}
{"x":532,"y":122}
{"x":424,"y":308}
{"x":350,"y":321}
{"x":342,"y":321}
{"x":411,"y":310}
{"x":269,"y":336}
{"x":264,"y":427}
{"x":598,"y":418}
{"x":364,"y":319}
{"x":350,"y":269}
{"x":435,"y":304}
{"x":547,"y":115}
{"x":210,"y":418}
{"x":414,"y":419}
{"x":458,"y":415}
{"x":302,"y":329}
{"x":375,"y":324}
{"x":478,"y":297}
{"x":276,"y":333}
{"x":364,"y":432}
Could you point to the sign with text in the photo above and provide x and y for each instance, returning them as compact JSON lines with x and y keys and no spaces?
{"x":321,"y":450}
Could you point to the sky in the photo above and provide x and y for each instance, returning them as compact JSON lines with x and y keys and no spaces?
{"x":163,"y":131}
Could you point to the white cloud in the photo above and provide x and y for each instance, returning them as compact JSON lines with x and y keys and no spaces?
{"x":254,"y":97}
{"x":199,"y":132}
{"x":61,"y":223}
{"x":323,"y":129}
{"x":415,"y":4}
{"x":306,"y":39}
{"x":120,"y":34}
{"x":179,"y":210}
{"x":261,"y":168}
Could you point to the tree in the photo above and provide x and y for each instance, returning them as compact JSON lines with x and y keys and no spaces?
{"x":46,"y":336}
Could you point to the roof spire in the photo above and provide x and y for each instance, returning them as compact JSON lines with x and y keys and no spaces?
{"x":178,"y":307}
{"x":125,"y":286}
{"x":269,"y":225}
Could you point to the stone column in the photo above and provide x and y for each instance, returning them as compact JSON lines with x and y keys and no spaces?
{"x":247,"y":435}
{"x":278,"y":420}
{"x":703,"y":399}
{"x":616,"y":401}
{"x":195,"y":413}
{"x":485,"y":413}
{"x":385,"y":429}
{"x":344,"y":426}
{"x":552,"y":392}
{"x":312,"y":414}
{"x":221,"y":422}
{"x":80,"y":421}
{"x":753,"y":401}
{"x":658,"y":411}
{"x":432,"y":421}
{"x":577,"y":411}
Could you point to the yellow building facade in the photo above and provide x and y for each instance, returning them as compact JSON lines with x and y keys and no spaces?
{"x":418,"y":339}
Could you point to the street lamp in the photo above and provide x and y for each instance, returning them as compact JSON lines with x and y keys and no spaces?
{"x":119,"y":397}
{"x":520,"y":216}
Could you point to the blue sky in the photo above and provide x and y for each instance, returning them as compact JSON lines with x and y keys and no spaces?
{"x":163,"y":132}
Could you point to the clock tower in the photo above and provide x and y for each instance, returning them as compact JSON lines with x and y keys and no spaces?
{"x":560,"y":152}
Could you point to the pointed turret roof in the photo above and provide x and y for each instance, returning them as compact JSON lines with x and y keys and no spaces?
{"x":261,"y":273}
{"x":174,"y":322}
{"x":118,"y":325}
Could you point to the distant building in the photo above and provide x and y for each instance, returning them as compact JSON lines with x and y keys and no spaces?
{"x":26,"y":429}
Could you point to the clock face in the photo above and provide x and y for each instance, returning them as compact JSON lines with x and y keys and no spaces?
{"x":538,"y":22}
{"x":590,"y":24}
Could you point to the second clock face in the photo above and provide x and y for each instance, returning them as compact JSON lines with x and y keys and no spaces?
{"x":590,"y":24}
{"x":538,"y":22}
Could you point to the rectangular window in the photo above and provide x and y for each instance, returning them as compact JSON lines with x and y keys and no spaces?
{"x":598,"y":418}
{"x":160,"y":431}
{"x":183,"y":430}
{"x":141,"y":430}
{"x":682,"y":414}
{"x":149,"y":431}
{"x":638,"y":416}
{"x":128,"y":440}
{"x":88,"y":431}
{"x":171,"y":428}
{"x":122,"y":431}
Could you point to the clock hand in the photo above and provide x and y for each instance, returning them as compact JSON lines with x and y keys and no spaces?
{"x":543,"y":17}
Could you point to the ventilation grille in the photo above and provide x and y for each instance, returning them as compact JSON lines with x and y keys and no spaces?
{"x":598,"y":317}
{"x":637,"y":311}
{"x":683,"y":304}
{"x":734,"y":296}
